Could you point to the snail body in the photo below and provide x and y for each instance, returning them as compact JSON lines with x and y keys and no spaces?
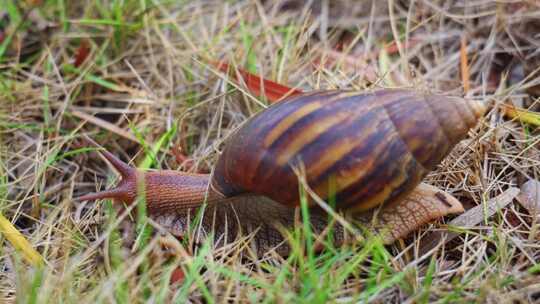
{"x":363,"y":149}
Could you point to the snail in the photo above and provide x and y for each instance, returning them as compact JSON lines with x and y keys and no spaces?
{"x":362,"y":149}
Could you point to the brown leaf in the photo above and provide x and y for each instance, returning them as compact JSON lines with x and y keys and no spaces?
{"x":260,"y":86}
{"x":470,"y":218}
{"x":82,"y":53}
{"x":34,"y":2}
{"x":177,"y":276}
{"x":529,"y":197}
{"x":464,"y":65}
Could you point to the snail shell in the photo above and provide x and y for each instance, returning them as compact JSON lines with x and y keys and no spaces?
{"x":372,"y":148}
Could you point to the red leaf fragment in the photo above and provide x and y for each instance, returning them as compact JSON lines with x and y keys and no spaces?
{"x":273,"y":91}
{"x":177,"y":276}
{"x":82,"y":53}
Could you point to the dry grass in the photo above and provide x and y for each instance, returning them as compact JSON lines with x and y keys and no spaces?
{"x":148,"y":85}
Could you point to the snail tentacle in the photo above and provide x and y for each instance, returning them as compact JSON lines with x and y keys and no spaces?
{"x":126,"y":190}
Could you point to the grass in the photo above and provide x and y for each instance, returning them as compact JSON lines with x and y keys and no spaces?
{"x":156,"y":98}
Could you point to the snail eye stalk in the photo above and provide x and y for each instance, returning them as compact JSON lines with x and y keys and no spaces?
{"x":124,"y":190}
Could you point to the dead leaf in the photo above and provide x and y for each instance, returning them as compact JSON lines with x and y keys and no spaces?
{"x":82,"y":53}
{"x":177,"y":276}
{"x":34,"y":2}
{"x":464,"y":65}
{"x":469,"y":219}
{"x":260,"y":86}
{"x":529,"y":197}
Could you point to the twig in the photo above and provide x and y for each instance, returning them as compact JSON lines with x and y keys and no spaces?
{"x":470,"y":218}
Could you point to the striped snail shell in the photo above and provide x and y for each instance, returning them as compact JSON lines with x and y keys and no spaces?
{"x":374,"y":147}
